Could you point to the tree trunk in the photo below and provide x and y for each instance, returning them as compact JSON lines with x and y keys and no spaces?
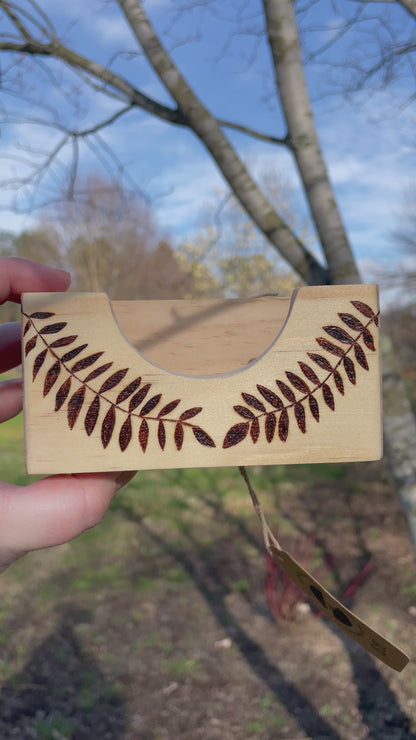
{"x":210,"y":133}
{"x":399,"y":422}
{"x":399,"y":435}
{"x":290,"y":79}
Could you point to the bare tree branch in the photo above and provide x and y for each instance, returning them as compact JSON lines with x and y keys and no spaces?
{"x":96,"y":70}
{"x":15,"y":20}
{"x":285,"y":141}
{"x":209,"y":131}
{"x":137,"y":98}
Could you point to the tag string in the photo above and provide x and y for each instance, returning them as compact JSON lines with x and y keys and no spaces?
{"x":334,"y":609}
{"x":268,"y":536}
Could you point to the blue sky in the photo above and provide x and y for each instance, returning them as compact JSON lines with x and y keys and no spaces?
{"x":370,"y":152}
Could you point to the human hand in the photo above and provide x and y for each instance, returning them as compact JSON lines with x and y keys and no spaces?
{"x":53,"y":510}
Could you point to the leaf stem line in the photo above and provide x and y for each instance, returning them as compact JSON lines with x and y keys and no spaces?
{"x":314,"y":390}
{"x":102,"y":396}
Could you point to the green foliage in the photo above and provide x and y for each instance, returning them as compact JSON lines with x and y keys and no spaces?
{"x":241,"y":585}
{"x":183,"y":666}
{"x":53,"y":727}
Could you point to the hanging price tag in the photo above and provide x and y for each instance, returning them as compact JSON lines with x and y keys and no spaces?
{"x":340,"y":615}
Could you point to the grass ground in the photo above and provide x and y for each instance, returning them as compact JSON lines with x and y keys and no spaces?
{"x":156,"y":624}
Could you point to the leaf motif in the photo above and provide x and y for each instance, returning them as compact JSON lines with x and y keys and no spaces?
{"x":68,"y":356}
{"x":283,"y":426}
{"x":360,"y":356}
{"x":329,"y":347}
{"x":113,"y":380}
{"x":39,"y":360}
{"x":339,"y":334}
{"x":253,"y":402}
{"x":168,"y":408}
{"x":150,"y":405}
{"x":300,"y":417}
{"x":287,"y":392}
{"x":365,"y":310}
{"x":351,"y":321}
{"x":202,"y":437}
{"x":92,"y":416}
{"x":125,"y":435}
{"x":270,"y":426}
{"x":62,"y":394}
{"x":41,"y":315}
{"x":190,"y":413}
{"x":321,"y":361}
{"x":144,"y":434}
{"x":298,"y":383}
{"x":339,"y":383}
{"x":31,"y":344}
{"x":236,"y":434}
{"x":98,"y":371}
{"x":244,"y":412}
{"x":178,"y":436}
{"x":64,"y":341}
{"x":314,"y":407}
{"x":309,"y":373}
{"x":53,"y":328}
{"x":27,"y":327}
{"x":85,"y":362}
{"x":139,"y":397}
{"x":51,"y":377}
{"x":108,"y":425}
{"x":161,"y":434}
{"x":368,"y":340}
{"x":349,"y":369}
{"x":255,"y":430}
{"x":128,"y":390}
{"x":75,"y":406}
{"x":270,"y":397}
{"x":328,"y":396}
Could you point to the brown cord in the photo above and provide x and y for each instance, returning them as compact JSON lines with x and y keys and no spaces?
{"x":268,"y":536}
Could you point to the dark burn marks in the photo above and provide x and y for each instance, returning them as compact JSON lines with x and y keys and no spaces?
{"x":135,"y":415}
{"x":300,"y":395}
{"x":100,"y":410}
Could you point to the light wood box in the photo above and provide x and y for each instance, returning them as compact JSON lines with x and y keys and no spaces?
{"x":170,"y":384}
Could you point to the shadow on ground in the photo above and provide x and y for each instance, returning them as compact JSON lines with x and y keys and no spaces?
{"x":61,"y":693}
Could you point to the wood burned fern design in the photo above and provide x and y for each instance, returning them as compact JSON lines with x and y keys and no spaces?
{"x":75,"y":389}
{"x":86,"y":386}
{"x":301,"y":395}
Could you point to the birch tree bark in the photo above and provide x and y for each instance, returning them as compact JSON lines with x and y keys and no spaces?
{"x":209,"y":131}
{"x":284,"y":45}
{"x":399,"y":421}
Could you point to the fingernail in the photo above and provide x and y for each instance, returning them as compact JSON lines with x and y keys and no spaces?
{"x":64,"y":272}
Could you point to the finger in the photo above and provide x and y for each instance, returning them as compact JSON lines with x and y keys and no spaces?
{"x":11,"y":398}
{"x":10,"y":346}
{"x":53,"y":510}
{"x":18,"y":276}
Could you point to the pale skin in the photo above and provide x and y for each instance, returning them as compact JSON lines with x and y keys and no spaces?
{"x":53,"y":510}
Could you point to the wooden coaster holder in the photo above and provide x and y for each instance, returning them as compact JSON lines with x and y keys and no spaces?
{"x":135,"y":385}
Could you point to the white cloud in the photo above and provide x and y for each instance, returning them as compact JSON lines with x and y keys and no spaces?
{"x":370,"y":165}
{"x":115,"y":29}
{"x":192,"y":185}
